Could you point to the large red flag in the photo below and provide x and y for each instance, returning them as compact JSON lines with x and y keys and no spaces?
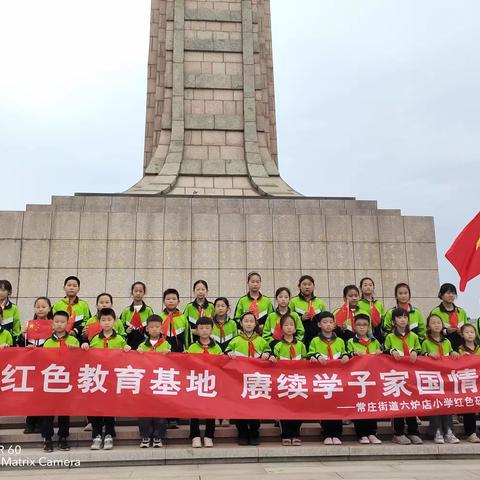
{"x":464,"y":254}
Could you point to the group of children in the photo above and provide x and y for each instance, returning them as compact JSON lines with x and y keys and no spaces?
{"x":297,"y":328}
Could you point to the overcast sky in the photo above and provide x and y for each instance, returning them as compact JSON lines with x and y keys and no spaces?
{"x":377,"y":99}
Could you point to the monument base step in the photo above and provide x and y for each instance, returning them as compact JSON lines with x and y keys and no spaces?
{"x":34,"y":458}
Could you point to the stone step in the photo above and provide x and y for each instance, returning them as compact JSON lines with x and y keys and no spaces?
{"x":35,"y":458}
{"x":129,"y":435}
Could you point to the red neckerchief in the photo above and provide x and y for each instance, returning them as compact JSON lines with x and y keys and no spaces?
{"x":329,"y":342}
{"x":365,"y":343}
{"x":253,"y":308}
{"x":439,"y":344}
{"x":251,"y":346}
{"x":71,"y":319}
{"x":169,"y":324}
{"x":160,"y":341}
{"x":406,"y":348}
{"x":375,"y":317}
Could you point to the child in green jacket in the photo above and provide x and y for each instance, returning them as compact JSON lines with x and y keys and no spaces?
{"x":107,"y":338}
{"x":272,"y":331}
{"x":153,"y":429}
{"x":224,"y":328}
{"x":325,"y":348}
{"x":199,"y":307}
{"x":436,"y":346}
{"x":205,"y":345}
{"x":362,"y":343}
{"x":254,"y":302}
{"x":403,"y":343}
{"x":374,"y":307}
{"x":11,"y":314}
{"x":453,"y":317}
{"x":134,"y":317}
{"x":469,"y":347}
{"x":308,"y":307}
{"x":249,"y":344}
{"x":289,"y":348}
{"x":416,"y":322}
{"x":345,"y":315}
{"x":62,"y":340}
{"x":78,"y":309}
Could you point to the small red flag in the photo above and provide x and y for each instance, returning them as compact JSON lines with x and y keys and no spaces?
{"x":254,"y":308}
{"x":39,"y":329}
{"x":464,"y":254}
{"x":136,"y":321}
{"x":71,"y":320}
{"x":93,"y":329}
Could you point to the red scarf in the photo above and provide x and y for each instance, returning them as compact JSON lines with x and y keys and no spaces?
{"x":168,"y":324}
{"x":136,"y":320}
{"x":254,"y":308}
{"x":375,"y":316}
{"x":222,"y":330}
{"x":277,"y":332}
{"x":406,"y":306}
{"x":62,"y":342}
{"x":329,"y":342}
{"x":365,"y":343}
{"x":293,"y":353}
{"x":205,"y":350}
{"x":406,"y":348}
{"x":439,"y":345}
{"x":153,"y":347}
{"x":105,"y":341}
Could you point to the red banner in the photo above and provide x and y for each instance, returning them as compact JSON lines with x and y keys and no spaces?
{"x":40,"y":381}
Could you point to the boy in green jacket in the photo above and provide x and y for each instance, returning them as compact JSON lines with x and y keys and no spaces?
{"x":325,"y":348}
{"x":205,"y":345}
{"x":78,"y":309}
{"x":153,"y":429}
{"x":107,"y":338}
{"x":59,"y":339}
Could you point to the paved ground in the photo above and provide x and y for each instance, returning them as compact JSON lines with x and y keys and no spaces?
{"x":351,"y":470}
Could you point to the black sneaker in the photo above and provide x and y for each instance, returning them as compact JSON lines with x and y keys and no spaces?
{"x":254,"y":441}
{"x":63,"y":444}
{"x":243,"y":441}
{"x":29,"y":430}
{"x":48,"y":445}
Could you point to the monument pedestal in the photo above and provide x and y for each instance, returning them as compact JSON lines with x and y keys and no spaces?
{"x":110,"y":241}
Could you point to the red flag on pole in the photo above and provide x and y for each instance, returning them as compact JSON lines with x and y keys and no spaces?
{"x":464,"y":254}
{"x":39,"y":329}
{"x":93,"y":329}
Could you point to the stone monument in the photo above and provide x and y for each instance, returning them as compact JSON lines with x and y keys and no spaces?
{"x":211,"y":203}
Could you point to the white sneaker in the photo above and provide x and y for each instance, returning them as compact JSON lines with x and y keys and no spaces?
{"x":336,"y":441}
{"x":96,"y":443}
{"x":374,"y":439}
{"x":415,"y":439}
{"x":364,"y":440}
{"x":196,"y":442}
{"x":473,"y":438}
{"x":145,"y":443}
{"x":225,"y":422}
{"x":218,"y":422}
{"x":208,"y":442}
{"x":401,"y":440}
{"x":87,"y":427}
{"x":328,"y":441}
{"x":438,"y":437}
{"x":157,"y":443}
{"x":108,"y":442}
{"x":451,"y":438}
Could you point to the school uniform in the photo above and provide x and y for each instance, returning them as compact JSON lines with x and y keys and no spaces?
{"x":176,"y":330}
{"x":416,"y":322}
{"x":314,"y":306}
{"x":212,"y":349}
{"x":376,"y":310}
{"x":469,"y":419}
{"x":63,"y":421}
{"x":345,"y":320}
{"x":11,"y":320}
{"x":454,"y":318}
{"x":290,"y":351}
{"x":115,"y":341}
{"x":261,"y":307}
{"x":193,"y":311}
{"x":272,"y":332}
{"x":224,"y":331}
{"x":136,"y":336}
{"x":369,"y":346}
{"x":250,"y":347}
{"x":153,"y":427}
{"x":79,"y":312}
{"x":329,"y":348}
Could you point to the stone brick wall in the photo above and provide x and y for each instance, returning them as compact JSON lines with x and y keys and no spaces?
{"x":110,"y":241}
